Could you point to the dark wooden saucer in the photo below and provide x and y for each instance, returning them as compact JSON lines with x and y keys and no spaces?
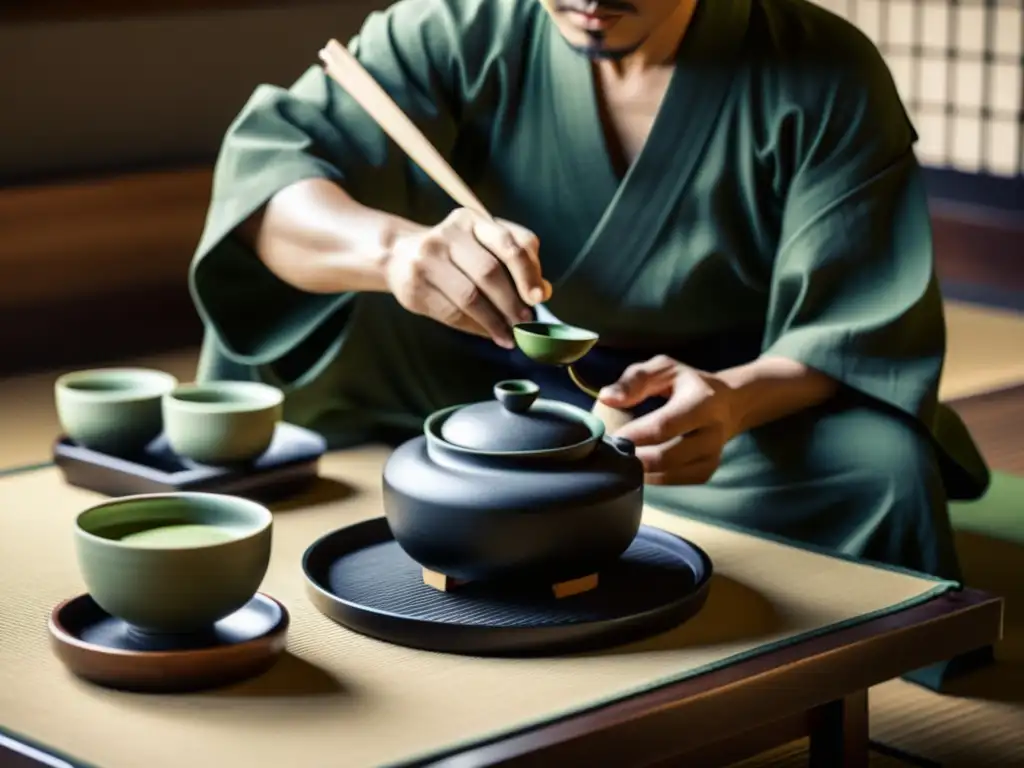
{"x":106,"y":651}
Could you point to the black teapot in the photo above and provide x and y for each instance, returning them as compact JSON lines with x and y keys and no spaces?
{"x":515,"y":488}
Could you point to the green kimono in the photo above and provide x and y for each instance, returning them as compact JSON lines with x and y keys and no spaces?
{"x":777,"y":198}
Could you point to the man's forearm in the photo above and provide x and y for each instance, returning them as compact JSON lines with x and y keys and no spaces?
{"x":771,"y":388}
{"x":314,"y":236}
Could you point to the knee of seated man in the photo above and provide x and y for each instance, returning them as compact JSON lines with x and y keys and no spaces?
{"x":885,"y":451}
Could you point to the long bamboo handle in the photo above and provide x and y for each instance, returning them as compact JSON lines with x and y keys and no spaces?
{"x":346,"y":70}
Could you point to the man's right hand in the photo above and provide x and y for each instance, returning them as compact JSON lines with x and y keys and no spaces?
{"x":469,"y":273}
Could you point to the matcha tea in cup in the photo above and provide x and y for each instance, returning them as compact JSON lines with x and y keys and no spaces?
{"x":173,"y":563}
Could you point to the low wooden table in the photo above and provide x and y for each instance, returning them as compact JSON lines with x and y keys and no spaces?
{"x":816,"y":688}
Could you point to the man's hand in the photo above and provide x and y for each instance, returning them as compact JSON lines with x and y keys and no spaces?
{"x":469,"y":273}
{"x":681,"y":442}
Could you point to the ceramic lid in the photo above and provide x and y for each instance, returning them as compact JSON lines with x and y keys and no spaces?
{"x":514,"y":421}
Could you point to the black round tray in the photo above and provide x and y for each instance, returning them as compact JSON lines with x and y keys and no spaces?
{"x":359,"y":577}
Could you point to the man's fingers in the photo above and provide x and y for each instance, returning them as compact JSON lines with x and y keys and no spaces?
{"x":674,"y":419}
{"x":488,"y":272}
{"x":687,"y":460}
{"x":468,"y":299}
{"x":640,"y":381}
{"x":518,"y":252}
{"x":666,"y":457}
{"x":441,"y":309}
{"x":531,"y":243}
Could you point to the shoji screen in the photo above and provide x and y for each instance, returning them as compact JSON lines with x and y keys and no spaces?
{"x":959,"y":65}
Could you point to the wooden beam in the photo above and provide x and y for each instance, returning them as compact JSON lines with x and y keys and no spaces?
{"x":92,"y":237}
{"x":979,"y":247}
{"x":97,"y":269}
{"x":50,"y":11}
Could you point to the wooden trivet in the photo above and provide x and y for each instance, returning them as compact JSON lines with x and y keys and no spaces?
{"x":443,"y":583}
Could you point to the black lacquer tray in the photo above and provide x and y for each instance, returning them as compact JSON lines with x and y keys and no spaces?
{"x":290,"y":463}
{"x":359,"y":577}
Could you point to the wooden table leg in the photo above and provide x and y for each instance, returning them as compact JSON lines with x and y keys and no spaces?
{"x":839,"y":733}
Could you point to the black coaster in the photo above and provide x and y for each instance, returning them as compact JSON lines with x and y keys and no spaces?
{"x":359,"y":577}
{"x":288,"y":466}
{"x":105,"y":650}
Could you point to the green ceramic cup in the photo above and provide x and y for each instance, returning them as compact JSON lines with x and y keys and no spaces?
{"x":112,"y":410}
{"x":222,"y":422}
{"x":173,"y":563}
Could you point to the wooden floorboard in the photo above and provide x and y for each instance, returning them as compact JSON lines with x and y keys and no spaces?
{"x":996,"y":420}
{"x":976,"y":248}
{"x":59,"y":11}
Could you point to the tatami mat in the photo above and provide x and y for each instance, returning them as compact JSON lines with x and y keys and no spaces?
{"x":980,"y":728}
{"x":986,"y":350}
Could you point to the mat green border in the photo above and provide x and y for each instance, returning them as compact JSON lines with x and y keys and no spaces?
{"x":25,"y":469}
{"x":70,"y":762}
{"x":941,"y":587}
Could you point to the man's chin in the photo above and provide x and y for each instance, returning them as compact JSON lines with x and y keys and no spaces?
{"x":602,"y":50}
{"x":600,"y":53}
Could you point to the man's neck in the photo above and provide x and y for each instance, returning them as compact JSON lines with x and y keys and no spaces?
{"x":658,"y":50}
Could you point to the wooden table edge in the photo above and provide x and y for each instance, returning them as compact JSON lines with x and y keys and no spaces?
{"x":651,"y":727}
{"x":778,"y":692}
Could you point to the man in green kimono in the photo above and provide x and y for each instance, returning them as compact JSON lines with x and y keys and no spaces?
{"x":725,"y":190}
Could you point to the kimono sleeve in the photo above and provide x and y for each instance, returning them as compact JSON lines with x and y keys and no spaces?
{"x":313,"y":129}
{"x":854,"y":292}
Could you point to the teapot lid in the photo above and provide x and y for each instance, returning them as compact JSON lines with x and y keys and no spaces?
{"x":514,"y":422}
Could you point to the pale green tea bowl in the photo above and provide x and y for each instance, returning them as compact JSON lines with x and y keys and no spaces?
{"x":222,"y":422}
{"x":112,"y":410}
{"x":173,"y":563}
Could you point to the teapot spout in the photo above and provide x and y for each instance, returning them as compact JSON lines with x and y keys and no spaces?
{"x":613,"y":418}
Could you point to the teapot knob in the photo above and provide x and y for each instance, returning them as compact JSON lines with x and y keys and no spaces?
{"x":516,"y":395}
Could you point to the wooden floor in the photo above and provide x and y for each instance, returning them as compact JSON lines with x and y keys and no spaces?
{"x":996,"y":419}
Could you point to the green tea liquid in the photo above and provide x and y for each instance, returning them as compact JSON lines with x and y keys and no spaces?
{"x":182,"y":535}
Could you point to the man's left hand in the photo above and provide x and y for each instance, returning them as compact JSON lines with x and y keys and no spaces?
{"x":681,"y":442}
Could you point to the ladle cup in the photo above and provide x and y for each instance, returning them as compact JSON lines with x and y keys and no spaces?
{"x":563,"y":345}
{"x":556,"y":344}
{"x":560,"y":344}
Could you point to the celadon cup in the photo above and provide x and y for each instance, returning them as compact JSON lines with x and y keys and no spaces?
{"x":173,"y":563}
{"x":112,"y":410}
{"x":222,"y":422}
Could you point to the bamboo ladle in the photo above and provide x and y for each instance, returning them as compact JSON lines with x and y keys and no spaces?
{"x":552,"y":343}
{"x":346,"y":71}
